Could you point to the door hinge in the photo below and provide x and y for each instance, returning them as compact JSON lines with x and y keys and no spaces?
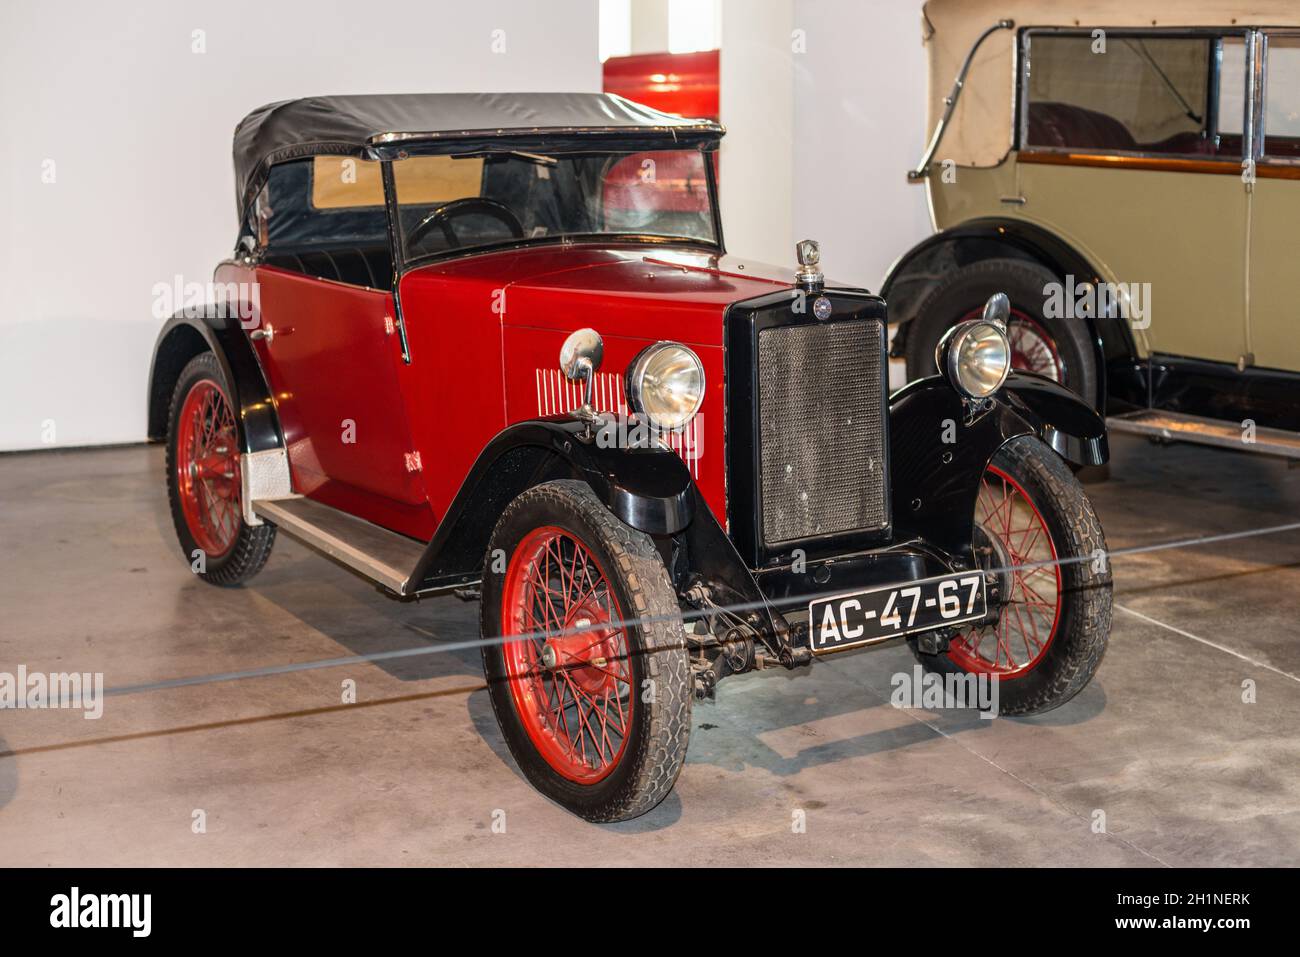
{"x":413,"y":463}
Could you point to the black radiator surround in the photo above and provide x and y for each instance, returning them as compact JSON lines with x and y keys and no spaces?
{"x":744,"y":320}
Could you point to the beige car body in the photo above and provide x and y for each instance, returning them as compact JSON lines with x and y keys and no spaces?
{"x":1214,"y":237}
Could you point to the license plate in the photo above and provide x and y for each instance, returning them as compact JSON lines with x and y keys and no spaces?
{"x":879,"y":613}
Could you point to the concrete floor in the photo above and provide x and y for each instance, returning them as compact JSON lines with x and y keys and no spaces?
{"x":91,"y":580}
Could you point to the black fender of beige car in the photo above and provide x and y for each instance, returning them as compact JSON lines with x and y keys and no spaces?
{"x":911,"y":277}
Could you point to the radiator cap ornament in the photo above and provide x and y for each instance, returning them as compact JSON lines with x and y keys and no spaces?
{"x":809,"y":254}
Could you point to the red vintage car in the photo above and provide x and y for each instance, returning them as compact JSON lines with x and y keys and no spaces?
{"x":493,"y":345}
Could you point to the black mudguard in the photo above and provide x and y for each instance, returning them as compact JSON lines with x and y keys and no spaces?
{"x":935,"y":482}
{"x":186,"y":335}
{"x":647,"y":488}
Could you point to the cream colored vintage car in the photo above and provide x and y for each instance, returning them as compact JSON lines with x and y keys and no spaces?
{"x":1129,"y":174}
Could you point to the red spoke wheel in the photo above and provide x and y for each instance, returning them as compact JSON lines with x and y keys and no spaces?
{"x":585,"y":654}
{"x":1049,"y":583}
{"x":207,"y":468}
{"x":569,"y":671}
{"x":203,"y":480}
{"x":1019,"y":547}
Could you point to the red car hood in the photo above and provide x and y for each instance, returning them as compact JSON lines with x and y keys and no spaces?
{"x":665,"y":292}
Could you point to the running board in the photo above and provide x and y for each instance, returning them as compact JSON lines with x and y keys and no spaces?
{"x":376,"y":553}
{"x":1176,"y":427}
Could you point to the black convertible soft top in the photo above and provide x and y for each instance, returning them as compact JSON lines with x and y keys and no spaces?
{"x":386,"y":126}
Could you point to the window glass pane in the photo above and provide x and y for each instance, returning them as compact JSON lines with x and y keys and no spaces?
{"x":1130,"y":93}
{"x":340,"y":182}
{"x":1232,"y":87}
{"x":513,"y":197}
{"x":1282,"y":97}
{"x":325,"y":217}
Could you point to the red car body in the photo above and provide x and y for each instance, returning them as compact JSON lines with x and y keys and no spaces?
{"x":331,"y":363}
{"x":457,"y":318}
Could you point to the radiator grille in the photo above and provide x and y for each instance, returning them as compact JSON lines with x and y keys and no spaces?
{"x":821,"y":430}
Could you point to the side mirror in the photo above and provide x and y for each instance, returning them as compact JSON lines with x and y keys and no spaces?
{"x":998,"y":310}
{"x":580,"y":357}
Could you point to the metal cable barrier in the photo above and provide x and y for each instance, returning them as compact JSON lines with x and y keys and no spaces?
{"x":686,"y":616}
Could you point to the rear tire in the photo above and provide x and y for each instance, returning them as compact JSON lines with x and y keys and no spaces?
{"x":1059,"y":348}
{"x":203,"y":482}
{"x":597,"y":718}
{"x":1046,"y":645}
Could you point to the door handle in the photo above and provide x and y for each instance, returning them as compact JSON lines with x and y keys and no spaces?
{"x":267,"y":332}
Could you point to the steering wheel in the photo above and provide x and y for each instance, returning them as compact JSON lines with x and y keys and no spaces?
{"x":469,"y":206}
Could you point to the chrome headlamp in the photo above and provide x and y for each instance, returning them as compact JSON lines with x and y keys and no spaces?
{"x":975,"y":355}
{"x":665,"y":383}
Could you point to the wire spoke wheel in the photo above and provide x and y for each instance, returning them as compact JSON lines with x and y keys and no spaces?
{"x":568,"y":671}
{"x":1020,"y":551}
{"x":207,"y":468}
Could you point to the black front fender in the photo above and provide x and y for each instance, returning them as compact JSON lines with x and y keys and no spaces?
{"x":1064,"y":421}
{"x":939,"y":451}
{"x":649,"y":489}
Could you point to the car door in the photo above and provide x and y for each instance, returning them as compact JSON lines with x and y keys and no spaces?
{"x":1275,"y":210}
{"x":328,"y":346}
{"x":1131,"y":146}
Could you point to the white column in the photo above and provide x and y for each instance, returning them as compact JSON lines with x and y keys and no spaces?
{"x":757,"y":105}
{"x":649,"y":26}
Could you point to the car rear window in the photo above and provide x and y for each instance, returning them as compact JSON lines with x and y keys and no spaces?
{"x":342,"y":182}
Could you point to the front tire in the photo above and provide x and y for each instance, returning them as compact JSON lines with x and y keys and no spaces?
{"x":203,"y":483}
{"x":1053,"y":621}
{"x":592,"y":684}
{"x":1058,"y":348}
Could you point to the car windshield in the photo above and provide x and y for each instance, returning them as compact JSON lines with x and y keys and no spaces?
{"x":447,"y":204}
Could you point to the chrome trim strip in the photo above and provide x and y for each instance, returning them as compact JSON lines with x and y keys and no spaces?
{"x":381,"y":139}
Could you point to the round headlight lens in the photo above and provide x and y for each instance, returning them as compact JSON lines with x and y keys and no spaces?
{"x":666,"y":384}
{"x":979,"y":358}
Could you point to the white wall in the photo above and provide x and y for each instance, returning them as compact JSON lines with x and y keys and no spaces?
{"x":138,"y":128}
{"x":859,"y":125}
{"x":757,"y":102}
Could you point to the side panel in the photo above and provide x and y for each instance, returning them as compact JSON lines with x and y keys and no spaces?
{"x":1180,"y":234}
{"x":1274,"y":253}
{"x":332,"y":364}
{"x":453,"y":387}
